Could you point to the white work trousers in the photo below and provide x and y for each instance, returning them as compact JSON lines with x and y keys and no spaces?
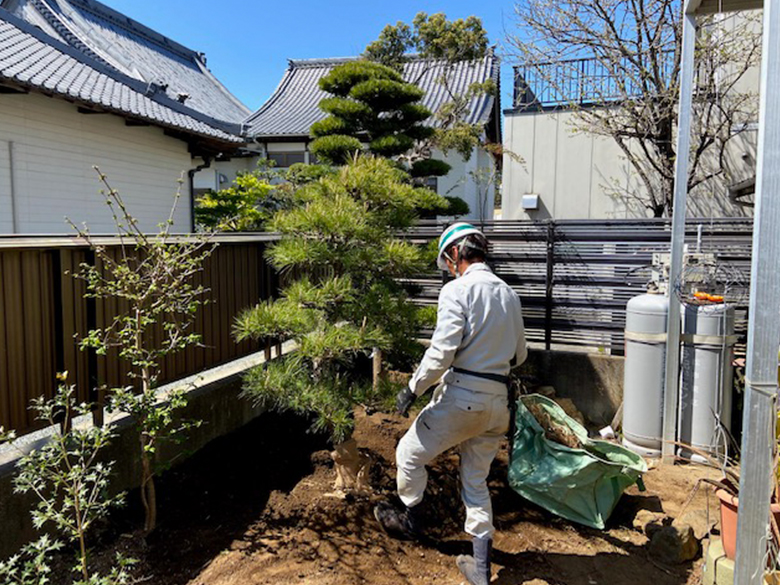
{"x":476,"y":421}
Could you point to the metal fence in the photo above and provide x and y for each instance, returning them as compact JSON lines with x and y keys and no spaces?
{"x":575,"y":277}
{"x":584,"y":82}
{"x":43,"y":311}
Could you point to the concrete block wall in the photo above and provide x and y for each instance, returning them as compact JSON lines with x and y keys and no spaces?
{"x":214,"y":399}
{"x":593,"y":382}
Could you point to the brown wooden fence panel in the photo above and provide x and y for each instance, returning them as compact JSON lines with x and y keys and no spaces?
{"x":27,"y":346}
{"x":43,"y":313}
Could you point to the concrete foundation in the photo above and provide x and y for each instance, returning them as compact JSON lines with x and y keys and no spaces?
{"x":593,"y":382}
{"x":718,"y":569}
{"x":213,"y":399}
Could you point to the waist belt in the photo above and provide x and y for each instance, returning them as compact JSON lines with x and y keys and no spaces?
{"x":493,"y":377}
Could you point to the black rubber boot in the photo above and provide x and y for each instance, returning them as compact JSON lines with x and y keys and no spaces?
{"x":476,"y":568}
{"x":403,"y":524}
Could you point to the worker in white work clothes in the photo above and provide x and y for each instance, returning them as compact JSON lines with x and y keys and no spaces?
{"x":479,"y":335}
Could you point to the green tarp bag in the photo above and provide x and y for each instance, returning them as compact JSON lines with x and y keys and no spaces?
{"x":582,"y":485}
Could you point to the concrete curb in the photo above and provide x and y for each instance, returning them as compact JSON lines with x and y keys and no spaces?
{"x":213,"y":398}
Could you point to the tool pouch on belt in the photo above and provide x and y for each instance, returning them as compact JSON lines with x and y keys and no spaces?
{"x":511,"y":396}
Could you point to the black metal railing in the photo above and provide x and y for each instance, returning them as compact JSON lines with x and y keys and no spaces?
{"x":588,"y":81}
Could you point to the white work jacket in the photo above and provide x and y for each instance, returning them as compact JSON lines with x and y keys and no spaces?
{"x":479,"y":327}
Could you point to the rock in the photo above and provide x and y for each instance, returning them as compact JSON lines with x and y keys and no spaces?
{"x":572,"y":411}
{"x":699,"y":521}
{"x":673,"y":545}
{"x":648,"y":522}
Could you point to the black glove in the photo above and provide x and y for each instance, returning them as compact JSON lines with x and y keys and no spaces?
{"x":404,"y":401}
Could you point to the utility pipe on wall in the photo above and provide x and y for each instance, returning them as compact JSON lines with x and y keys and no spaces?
{"x":12,"y":181}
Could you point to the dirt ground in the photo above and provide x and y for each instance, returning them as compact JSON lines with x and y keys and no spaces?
{"x":256,"y":507}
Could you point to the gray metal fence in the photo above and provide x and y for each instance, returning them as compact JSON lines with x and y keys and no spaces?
{"x":575,"y":277}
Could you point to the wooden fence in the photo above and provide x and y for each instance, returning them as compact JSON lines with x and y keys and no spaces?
{"x":43,"y":312}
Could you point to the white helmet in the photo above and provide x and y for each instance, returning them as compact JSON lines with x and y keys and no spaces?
{"x":451,"y":235}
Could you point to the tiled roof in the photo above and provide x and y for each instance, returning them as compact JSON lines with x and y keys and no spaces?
{"x":293,"y":107}
{"x":32,"y":59}
{"x":106,"y":35}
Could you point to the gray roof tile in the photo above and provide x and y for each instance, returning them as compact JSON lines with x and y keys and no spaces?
{"x":33,"y":59}
{"x":294,"y":106}
{"x":133,"y":49}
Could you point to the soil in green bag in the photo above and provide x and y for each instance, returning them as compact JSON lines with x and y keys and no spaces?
{"x":553,"y":430}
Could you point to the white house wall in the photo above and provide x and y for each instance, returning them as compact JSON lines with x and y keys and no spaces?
{"x":577,"y":175}
{"x":54,"y":150}
{"x":221,"y":174}
{"x":6,"y":204}
{"x":569,"y":172}
{"x":460,"y":182}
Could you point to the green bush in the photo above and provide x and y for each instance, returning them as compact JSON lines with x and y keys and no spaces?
{"x":457,"y":206}
{"x":384,"y":95}
{"x":347,"y":299}
{"x":331,"y":125}
{"x":414,"y":113}
{"x":391,"y":145}
{"x":420,"y":132}
{"x":301,"y":173}
{"x":351,"y":111}
{"x":243,"y":206}
{"x":370,"y":104}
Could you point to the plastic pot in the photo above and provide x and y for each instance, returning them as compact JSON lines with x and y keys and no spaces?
{"x":728,"y":521}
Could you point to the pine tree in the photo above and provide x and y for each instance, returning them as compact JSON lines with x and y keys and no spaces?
{"x":345,"y":302}
{"x":372,"y":104}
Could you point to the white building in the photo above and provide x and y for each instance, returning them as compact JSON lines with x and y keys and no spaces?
{"x":82,"y":85}
{"x":279,"y":130}
{"x":568,"y":173}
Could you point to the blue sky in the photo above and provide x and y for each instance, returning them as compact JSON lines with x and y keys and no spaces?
{"x":248,"y":42}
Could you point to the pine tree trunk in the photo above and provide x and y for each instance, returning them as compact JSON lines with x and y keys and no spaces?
{"x":351,"y":468}
{"x":378,"y":369}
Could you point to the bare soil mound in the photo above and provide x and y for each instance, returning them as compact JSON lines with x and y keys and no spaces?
{"x":256,"y":508}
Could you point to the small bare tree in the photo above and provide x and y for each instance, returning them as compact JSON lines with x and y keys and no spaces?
{"x":152,"y":278}
{"x":631,"y":89}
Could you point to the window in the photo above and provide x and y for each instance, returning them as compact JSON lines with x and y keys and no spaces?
{"x":285,"y":159}
{"x":432,"y":183}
